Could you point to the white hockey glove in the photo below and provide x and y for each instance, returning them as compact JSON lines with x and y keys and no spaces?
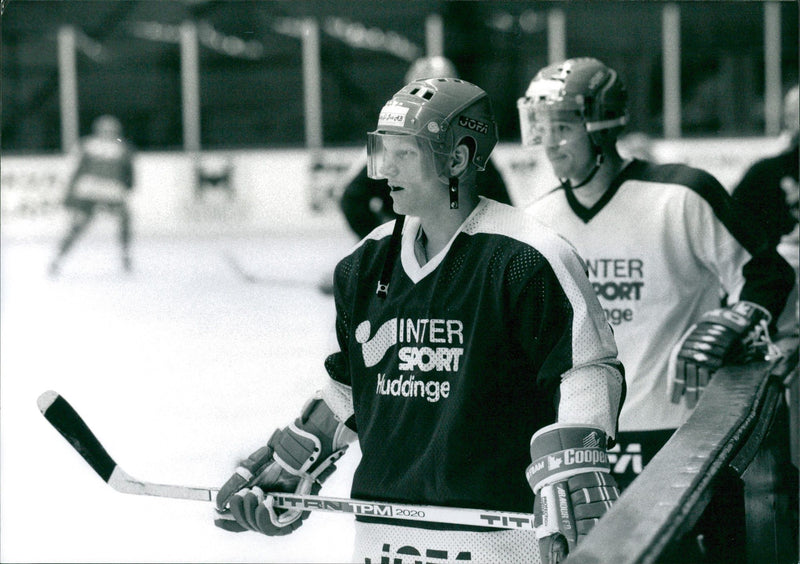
{"x":297,"y":459}
{"x":571,"y":479}
{"x":731,"y":335}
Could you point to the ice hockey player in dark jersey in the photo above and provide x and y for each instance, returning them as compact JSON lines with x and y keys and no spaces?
{"x":102,"y":180}
{"x":661,"y":242}
{"x":474,"y":361}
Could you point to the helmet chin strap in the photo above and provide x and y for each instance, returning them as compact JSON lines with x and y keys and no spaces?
{"x":452,"y":188}
{"x":598,"y":161}
{"x":453,"y":181}
{"x":391,"y":256}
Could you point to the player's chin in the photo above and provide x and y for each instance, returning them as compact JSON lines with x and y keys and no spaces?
{"x":562,"y":166}
{"x":399,"y":202}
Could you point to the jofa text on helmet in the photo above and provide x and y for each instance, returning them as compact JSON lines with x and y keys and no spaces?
{"x":473,"y":124}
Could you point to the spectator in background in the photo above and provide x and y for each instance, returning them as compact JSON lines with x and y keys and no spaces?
{"x":770,"y":187}
{"x":660,"y":241}
{"x":101,"y":180}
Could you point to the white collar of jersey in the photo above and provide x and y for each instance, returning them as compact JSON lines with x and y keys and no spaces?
{"x":411,"y":232}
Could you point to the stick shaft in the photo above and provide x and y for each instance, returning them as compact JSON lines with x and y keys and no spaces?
{"x":424,"y":513}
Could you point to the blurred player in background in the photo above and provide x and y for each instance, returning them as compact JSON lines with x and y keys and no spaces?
{"x":101,"y":180}
{"x":770,"y":187}
{"x":661,"y":242}
{"x":472,"y":349}
{"x":366,"y":202}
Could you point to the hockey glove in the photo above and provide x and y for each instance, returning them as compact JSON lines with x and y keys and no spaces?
{"x":732,"y":335}
{"x":297,"y":459}
{"x":571,"y":479}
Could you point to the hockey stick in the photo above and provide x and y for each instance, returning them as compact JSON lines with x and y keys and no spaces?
{"x":66,"y":421}
{"x":72,"y":427}
{"x":252,"y":278}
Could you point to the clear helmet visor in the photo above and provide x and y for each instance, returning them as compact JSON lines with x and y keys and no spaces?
{"x":541,"y":124}
{"x":390,"y":153}
{"x":374,"y":156}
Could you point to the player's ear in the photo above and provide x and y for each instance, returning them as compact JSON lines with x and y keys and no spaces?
{"x":459,"y":159}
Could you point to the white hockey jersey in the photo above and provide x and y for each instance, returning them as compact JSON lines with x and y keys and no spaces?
{"x":662,"y":246}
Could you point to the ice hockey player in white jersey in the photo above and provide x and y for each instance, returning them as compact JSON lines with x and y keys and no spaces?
{"x":474,"y":361}
{"x":662,"y":243}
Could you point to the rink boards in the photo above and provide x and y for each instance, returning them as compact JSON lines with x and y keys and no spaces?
{"x":291,"y":190}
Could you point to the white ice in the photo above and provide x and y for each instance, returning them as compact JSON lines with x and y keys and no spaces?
{"x":181,"y":368}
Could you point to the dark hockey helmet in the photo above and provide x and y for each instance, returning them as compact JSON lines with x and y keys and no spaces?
{"x":581,"y":89}
{"x":441,"y":113}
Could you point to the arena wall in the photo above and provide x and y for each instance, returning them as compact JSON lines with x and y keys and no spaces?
{"x":240,"y":192}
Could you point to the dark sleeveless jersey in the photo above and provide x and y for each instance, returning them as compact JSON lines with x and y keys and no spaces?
{"x":462,"y":362}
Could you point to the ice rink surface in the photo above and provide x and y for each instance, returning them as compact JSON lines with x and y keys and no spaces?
{"x":181,"y":368}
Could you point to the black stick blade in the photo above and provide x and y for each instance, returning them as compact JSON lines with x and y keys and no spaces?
{"x":66,"y":420}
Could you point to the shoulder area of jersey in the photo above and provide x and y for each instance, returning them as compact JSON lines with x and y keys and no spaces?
{"x":502,"y":219}
{"x":383,"y":231}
